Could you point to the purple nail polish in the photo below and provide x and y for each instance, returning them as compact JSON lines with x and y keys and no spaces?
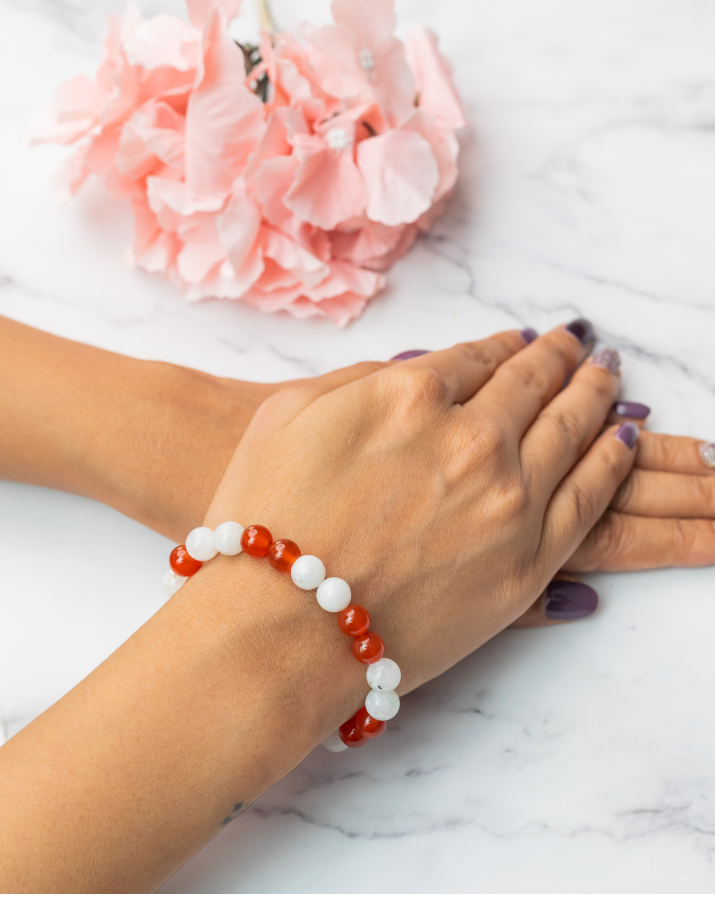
{"x":567,"y":600}
{"x":582,"y":330}
{"x":707,"y":453}
{"x":411,"y":353}
{"x":632,"y":409}
{"x":608,"y":359}
{"x":528,"y":335}
{"x":628,"y":433}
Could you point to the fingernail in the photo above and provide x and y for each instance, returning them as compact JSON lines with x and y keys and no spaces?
{"x":634,"y":410}
{"x":628,"y":434}
{"x":411,"y":353}
{"x":567,"y":600}
{"x":528,"y":335}
{"x":608,"y":359}
{"x":582,"y":330}
{"x":707,"y":453}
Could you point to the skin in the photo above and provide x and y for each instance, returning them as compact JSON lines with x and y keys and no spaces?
{"x":238,"y":676}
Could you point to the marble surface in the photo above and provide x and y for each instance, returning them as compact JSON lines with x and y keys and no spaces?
{"x":574,"y":759}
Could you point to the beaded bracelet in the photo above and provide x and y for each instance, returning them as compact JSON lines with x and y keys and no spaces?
{"x":333,"y":594}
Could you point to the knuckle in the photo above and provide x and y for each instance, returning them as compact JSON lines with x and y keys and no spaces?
{"x":413,"y":386}
{"x":584,"y":505}
{"x":365,"y":368}
{"x":567,"y":426}
{"x":704,"y":489}
{"x":529,"y":378}
{"x":479,"y":353}
{"x":610,"y":538}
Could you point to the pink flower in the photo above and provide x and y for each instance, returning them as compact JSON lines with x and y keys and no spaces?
{"x":287,"y":175}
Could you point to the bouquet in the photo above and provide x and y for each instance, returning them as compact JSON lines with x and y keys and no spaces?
{"x":288,"y":174}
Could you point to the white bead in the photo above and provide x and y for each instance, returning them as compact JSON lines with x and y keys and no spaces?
{"x":200,"y":544}
{"x":334,"y":743}
{"x":384,"y":675}
{"x":172,"y":582}
{"x":333,"y":594}
{"x":227,"y":538}
{"x":307,"y":572}
{"x":382,"y":705}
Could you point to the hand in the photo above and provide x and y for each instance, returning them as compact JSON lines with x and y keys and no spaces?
{"x":447,"y":490}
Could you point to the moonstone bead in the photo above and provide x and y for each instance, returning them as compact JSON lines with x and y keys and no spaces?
{"x":227,"y":538}
{"x":333,"y":594}
{"x":200,"y":544}
{"x":334,"y":743}
{"x":308,"y":572}
{"x":384,"y":675}
{"x":172,"y":582}
{"x":382,"y":704}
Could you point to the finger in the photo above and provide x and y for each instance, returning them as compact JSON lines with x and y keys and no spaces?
{"x":621,"y":542}
{"x":564,"y":600}
{"x":676,"y":454}
{"x":524,"y":385}
{"x":568,"y":425}
{"x":583,"y":496}
{"x":652,"y":493}
{"x":465,"y":368}
{"x":623,"y":411}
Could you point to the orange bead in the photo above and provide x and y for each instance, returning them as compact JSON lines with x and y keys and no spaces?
{"x":369,"y":727}
{"x":283,"y":554}
{"x":182,"y":563}
{"x":354,"y":620}
{"x":256,"y":540}
{"x":351,"y":735}
{"x":368,"y":648}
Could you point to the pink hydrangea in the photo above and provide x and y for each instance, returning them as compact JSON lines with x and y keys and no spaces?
{"x":288,"y":175}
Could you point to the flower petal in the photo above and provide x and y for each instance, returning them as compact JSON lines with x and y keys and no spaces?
{"x":433,"y":75}
{"x":200,"y":10}
{"x":372,"y":22}
{"x":401,"y":176}
{"x":393,"y":83}
{"x":328,"y":188}
{"x":224,"y":120}
{"x":164,"y":40}
{"x":445,"y":147}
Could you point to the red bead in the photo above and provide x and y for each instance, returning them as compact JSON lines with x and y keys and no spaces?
{"x":351,"y":735}
{"x":354,"y":620}
{"x":368,"y":648}
{"x":283,"y":554}
{"x":369,"y":727}
{"x":256,"y":540}
{"x":182,"y":563}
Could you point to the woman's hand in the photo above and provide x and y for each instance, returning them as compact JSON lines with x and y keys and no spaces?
{"x":447,"y":490}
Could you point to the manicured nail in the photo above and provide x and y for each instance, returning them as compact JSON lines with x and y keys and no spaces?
{"x":582,"y":330}
{"x":567,"y":600}
{"x":608,"y":359}
{"x":632,"y":409}
{"x":528,"y":335}
{"x":628,"y":434}
{"x":707,"y":453}
{"x":411,"y":353}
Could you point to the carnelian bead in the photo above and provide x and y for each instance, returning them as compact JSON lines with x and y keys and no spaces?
{"x":182,"y":563}
{"x":283,"y":554}
{"x":369,"y":726}
{"x":354,"y":620}
{"x":368,"y":648}
{"x":351,"y":735}
{"x":256,"y":540}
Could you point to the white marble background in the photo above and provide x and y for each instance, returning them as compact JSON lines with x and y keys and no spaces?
{"x":579,"y":758}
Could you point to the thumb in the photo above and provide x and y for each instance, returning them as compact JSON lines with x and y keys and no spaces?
{"x":564,"y":600}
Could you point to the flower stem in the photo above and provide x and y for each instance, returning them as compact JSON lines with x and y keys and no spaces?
{"x":264,"y":16}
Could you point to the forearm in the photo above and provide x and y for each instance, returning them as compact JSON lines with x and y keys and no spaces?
{"x":205,"y":707}
{"x":148,"y":438}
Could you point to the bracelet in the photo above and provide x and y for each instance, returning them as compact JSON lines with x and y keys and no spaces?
{"x":333,"y":594}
